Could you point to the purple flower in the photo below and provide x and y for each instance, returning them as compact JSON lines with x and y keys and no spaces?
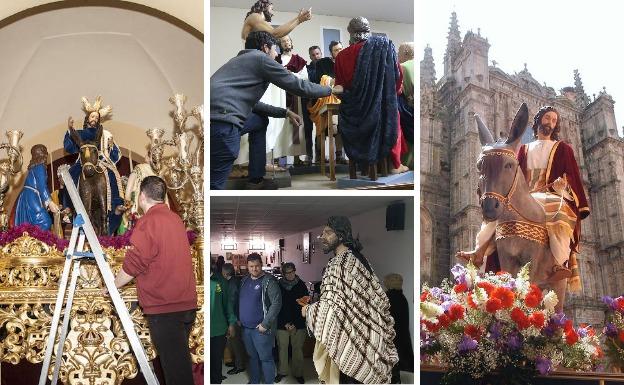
{"x":495,"y":330}
{"x":511,"y":285}
{"x":459,"y":273}
{"x":544,"y":365}
{"x":445,"y":297}
{"x":435,"y":292}
{"x":610,"y":302}
{"x":558,"y":319}
{"x":550,"y":329}
{"x":610,"y":330}
{"x":446,"y":305}
{"x":467,"y":344}
{"x":514,"y":342}
{"x":582,"y":332}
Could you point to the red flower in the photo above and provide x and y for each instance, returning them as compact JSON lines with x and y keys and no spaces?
{"x":571,"y":337}
{"x":537,"y":292}
{"x":501,"y":272}
{"x":621,"y":335}
{"x":521,"y":319}
{"x":431,"y":326}
{"x":456,"y":312}
{"x":567,"y":326}
{"x":493,"y":304}
{"x":506,"y":296}
{"x":619,"y":303}
{"x":488,"y":287}
{"x":599,"y":353}
{"x":444,"y":320}
{"x":460,"y":287}
{"x":423,"y":296}
{"x":537,"y":319}
{"x":473,"y":332}
{"x":531,"y":300}
{"x":471,"y":303}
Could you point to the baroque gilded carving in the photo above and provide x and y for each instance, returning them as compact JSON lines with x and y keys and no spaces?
{"x":96,"y":351}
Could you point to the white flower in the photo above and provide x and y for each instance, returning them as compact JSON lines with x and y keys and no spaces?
{"x":430,"y":311}
{"x":550,"y":301}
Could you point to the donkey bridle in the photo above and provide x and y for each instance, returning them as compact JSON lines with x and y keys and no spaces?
{"x":89,"y":163}
{"x":527,"y":229}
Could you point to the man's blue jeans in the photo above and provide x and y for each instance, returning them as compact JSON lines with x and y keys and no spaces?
{"x":259,"y":347}
{"x":225,"y":145}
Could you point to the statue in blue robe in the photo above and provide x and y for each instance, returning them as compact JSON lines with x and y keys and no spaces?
{"x":34,"y":200}
{"x":108,"y":159}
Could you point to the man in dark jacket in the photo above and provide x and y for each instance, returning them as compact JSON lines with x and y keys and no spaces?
{"x":234,"y":342}
{"x":399,"y":310}
{"x":260,"y":301}
{"x":290,"y":324}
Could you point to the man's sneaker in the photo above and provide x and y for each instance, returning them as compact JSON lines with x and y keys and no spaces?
{"x":300,"y":380}
{"x":279,"y":377}
{"x":265,"y":184}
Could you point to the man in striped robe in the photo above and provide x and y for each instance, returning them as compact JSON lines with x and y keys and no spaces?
{"x":351,"y":322}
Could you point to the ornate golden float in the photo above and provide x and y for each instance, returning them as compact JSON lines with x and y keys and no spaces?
{"x":96,"y":350}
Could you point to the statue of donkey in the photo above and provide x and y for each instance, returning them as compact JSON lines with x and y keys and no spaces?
{"x":92,"y":182}
{"x":521,"y":235}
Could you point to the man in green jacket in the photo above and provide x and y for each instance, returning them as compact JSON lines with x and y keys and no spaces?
{"x":222,"y":321}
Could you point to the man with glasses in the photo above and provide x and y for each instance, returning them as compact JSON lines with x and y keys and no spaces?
{"x":290,"y":324}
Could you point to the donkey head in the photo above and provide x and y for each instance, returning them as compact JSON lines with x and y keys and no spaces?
{"x":497,"y":164}
{"x":89,"y":153}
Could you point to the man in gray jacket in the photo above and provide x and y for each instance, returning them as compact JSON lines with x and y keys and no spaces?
{"x":260,"y":302}
{"x":235,"y":110}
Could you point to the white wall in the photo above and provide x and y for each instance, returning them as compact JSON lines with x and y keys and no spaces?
{"x":387,"y":251}
{"x":226,"y":25}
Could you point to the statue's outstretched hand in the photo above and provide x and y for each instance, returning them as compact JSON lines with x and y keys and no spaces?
{"x":304,"y":15}
{"x":53,"y":207}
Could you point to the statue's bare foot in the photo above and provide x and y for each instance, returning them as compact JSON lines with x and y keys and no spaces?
{"x":470,"y":256}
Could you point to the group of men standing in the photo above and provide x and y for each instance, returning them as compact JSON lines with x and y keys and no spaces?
{"x":369,"y":124}
{"x":349,"y":348}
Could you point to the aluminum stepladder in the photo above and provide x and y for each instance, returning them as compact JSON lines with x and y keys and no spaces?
{"x":82,"y":229}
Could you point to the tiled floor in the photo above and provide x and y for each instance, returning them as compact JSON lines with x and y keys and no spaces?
{"x":309,"y":374}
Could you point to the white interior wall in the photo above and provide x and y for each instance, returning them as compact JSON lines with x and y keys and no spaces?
{"x":134,"y":60}
{"x":226,"y":25}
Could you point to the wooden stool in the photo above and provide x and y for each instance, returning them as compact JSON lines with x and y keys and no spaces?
{"x":328,"y":110}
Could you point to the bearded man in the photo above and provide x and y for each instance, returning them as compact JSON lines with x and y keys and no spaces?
{"x":369,"y":114}
{"x":351,"y":322}
{"x":110,"y":154}
{"x":550,"y":169}
{"x":260,"y":16}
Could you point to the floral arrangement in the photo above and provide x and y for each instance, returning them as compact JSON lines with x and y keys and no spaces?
{"x":614,"y":331}
{"x":49,"y":238}
{"x":495,"y":329}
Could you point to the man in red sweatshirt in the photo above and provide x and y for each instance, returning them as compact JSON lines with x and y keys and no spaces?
{"x":160,"y":260}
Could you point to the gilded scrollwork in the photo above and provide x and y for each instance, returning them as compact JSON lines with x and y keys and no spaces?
{"x":96,"y":347}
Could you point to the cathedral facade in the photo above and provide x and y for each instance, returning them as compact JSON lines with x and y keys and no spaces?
{"x":450,"y":211}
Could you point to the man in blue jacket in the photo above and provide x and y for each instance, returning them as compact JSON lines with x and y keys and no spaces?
{"x":260,"y":302}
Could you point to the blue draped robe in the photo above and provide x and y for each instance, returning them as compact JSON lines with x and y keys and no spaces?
{"x":30,"y":206}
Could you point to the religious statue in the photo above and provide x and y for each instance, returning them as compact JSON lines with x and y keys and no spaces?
{"x":532,"y":200}
{"x":109,"y":155}
{"x":34,"y":200}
